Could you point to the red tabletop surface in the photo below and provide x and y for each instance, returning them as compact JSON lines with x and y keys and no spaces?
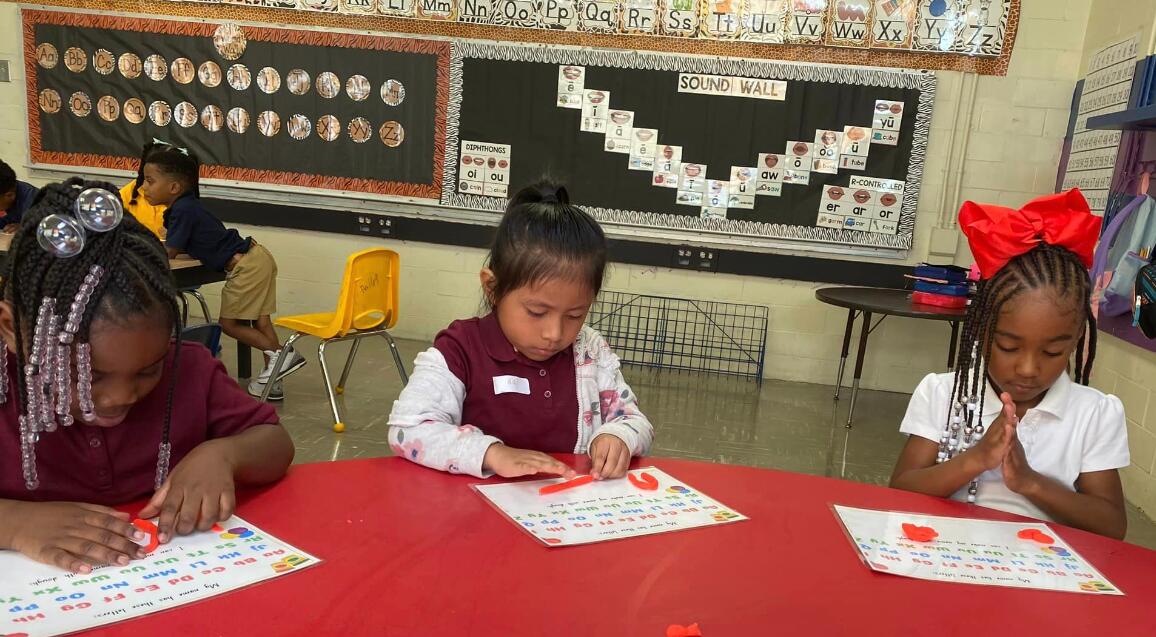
{"x":413,"y":552}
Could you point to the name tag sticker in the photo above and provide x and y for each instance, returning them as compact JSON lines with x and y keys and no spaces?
{"x":511,"y":385}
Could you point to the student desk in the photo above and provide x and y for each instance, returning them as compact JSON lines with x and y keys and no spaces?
{"x":885,"y":302}
{"x":188,"y":273}
{"x":409,"y":551}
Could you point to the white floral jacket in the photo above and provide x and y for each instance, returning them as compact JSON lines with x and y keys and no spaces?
{"x":426,"y":426}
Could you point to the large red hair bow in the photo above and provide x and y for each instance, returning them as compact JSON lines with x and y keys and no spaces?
{"x":998,"y":235}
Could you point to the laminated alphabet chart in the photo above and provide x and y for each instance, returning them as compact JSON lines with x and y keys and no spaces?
{"x":37,"y":600}
{"x":929,"y":547}
{"x":646,"y":502}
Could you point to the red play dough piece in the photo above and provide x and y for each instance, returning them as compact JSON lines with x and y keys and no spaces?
{"x":562,"y":486}
{"x":1035,"y":535}
{"x":217,"y":528}
{"x":674,"y":630}
{"x":918,"y":533}
{"x":644,"y":481}
{"x":152,"y":531}
{"x":693,"y":631}
{"x":552,"y":540}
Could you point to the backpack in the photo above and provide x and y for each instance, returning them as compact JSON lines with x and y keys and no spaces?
{"x":1117,"y":261}
{"x":1145,"y":310}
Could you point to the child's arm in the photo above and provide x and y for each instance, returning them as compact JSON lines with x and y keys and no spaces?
{"x":242,"y":444}
{"x":201,"y":490}
{"x":425,"y":427}
{"x":73,"y":536}
{"x":1097,"y":504}
{"x":917,"y":469}
{"x":625,"y":431}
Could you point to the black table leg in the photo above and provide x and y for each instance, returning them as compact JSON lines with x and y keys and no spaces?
{"x":863,"y":334}
{"x":846,"y":349}
{"x":244,"y":359}
{"x":954,"y":343}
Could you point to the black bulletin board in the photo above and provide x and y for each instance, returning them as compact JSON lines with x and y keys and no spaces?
{"x":411,"y":168}
{"x":508,"y":97}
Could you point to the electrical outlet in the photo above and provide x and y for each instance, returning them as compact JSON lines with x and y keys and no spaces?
{"x":375,"y":225}
{"x":5,"y":73}
{"x":692,"y":258}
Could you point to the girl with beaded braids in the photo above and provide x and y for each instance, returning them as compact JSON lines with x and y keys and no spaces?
{"x":98,"y":400}
{"x":1008,"y":429}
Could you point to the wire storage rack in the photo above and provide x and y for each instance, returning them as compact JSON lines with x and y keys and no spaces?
{"x":683,"y":334}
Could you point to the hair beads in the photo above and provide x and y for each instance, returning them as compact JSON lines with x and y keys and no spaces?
{"x":48,"y":374}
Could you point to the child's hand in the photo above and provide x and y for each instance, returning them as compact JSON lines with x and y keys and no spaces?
{"x":73,"y":536}
{"x":197,"y":494}
{"x":998,"y":438}
{"x":1018,"y":475}
{"x":509,"y":462}
{"x":610,"y":457}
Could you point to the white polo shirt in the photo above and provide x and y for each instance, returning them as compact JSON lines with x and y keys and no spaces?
{"x":1075,"y":429}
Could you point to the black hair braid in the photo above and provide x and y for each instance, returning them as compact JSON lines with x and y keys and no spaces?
{"x":1046,"y":266}
{"x":136,"y":280}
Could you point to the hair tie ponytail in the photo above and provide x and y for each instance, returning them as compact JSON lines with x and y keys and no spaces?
{"x":549,"y":193}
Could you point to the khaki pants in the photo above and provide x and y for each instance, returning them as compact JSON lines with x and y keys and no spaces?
{"x":251,"y":287}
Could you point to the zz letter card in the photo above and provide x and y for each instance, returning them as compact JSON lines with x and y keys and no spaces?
{"x":645,"y":502}
{"x":965,"y":551}
{"x":40,"y":600}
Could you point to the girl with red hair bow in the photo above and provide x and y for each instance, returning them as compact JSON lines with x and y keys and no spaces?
{"x":1008,"y":429}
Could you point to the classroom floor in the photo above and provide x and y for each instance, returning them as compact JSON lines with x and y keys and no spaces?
{"x":780,"y":425}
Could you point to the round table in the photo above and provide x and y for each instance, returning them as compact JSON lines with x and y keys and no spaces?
{"x":885,"y":302}
{"x":413,"y":552}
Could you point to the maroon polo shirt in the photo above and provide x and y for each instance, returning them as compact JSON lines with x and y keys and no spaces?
{"x":545,"y":419}
{"x":117,"y":465}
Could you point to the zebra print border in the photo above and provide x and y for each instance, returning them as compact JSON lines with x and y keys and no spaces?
{"x":924,"y":81}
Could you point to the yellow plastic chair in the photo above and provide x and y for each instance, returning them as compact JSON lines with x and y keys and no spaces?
{"x":367,"y":306}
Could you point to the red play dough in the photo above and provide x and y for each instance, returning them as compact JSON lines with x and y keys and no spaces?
{"x":918,"y":533}
{"x":1037,"y":536}
{"x":645,"y":481}
{"x":152,"y":531}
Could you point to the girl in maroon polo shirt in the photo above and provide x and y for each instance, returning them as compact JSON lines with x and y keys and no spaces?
{"x":89,"y":394}
{"x":495,"y":394}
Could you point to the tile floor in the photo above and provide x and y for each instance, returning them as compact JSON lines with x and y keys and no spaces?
{"x":781,"y":425}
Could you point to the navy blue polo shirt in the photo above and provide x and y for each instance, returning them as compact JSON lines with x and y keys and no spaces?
{"x":25,"y":193}
{"x":538,"y":408}
{"x":195,"y":231}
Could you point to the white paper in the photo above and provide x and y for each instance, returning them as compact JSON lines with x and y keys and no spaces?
{"x":484,"y":169}
{"x":595,"y":106}
{"x":971,"y":552}
{"x":39,"y":600}
{"x":571,"y":83}
{"x":606,"y":510}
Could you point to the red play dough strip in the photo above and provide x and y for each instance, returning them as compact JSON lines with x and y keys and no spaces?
{"x":644,"y":481}
{"x":562,"y":486}
{"x":152,"y":531}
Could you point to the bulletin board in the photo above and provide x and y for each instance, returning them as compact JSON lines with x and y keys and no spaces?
{"x":283,"y":106}
{"x":510,"y":109}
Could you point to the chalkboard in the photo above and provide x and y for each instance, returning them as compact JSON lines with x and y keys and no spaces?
{"x":89,"y":80}
{"x":508,"y":97}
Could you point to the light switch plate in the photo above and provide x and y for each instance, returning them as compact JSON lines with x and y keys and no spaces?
{"x":5,"y":76}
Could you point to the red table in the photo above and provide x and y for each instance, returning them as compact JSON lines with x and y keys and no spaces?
{"x":416,"y":553}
